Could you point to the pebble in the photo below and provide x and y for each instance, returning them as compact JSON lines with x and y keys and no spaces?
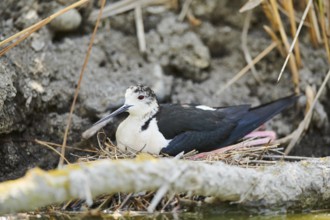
{"x":66,"y":22}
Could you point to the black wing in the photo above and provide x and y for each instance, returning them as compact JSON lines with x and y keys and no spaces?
{"x":193,"y":128}
{"x":174,"y":119}
{"x":208,"y":130}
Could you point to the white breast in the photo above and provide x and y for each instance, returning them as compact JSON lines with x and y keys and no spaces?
{"x":130,"y":136}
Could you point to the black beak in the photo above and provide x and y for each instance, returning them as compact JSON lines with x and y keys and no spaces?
{"x":103,"y":121}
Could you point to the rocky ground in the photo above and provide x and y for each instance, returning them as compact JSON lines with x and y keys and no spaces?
{"x":183,"y":63}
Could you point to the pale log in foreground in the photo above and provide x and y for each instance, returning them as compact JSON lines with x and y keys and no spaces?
{"x":289,"y":185}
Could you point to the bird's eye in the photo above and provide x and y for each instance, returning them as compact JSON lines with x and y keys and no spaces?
{"x":141,"y":97}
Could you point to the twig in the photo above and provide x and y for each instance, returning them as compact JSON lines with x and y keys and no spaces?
{"x":263,"y":162}
{"x":302,"y":126}
{"x":241,"y":145}
{"x":171,"y":197}
{"x":295,"y":39}
{"x":192,"y":19}
{"x":287,"y":157}
{"x":163,"y":189}
{"x":289,"y":7}
{"x":185,"y":9}
{"x":324,"y":28}
{"x":109,"y":197}
{"x":101,"y":144}
{"x":293,"y":65}
{"x":245,"y":48}
{"x":247,"y":67}
{"x":128,"y":197}
{"x":124,"y":6}
{"x":249,"y":5}
{"x":140,"y":28}
{"x":79,"y":84}
{"x":296,"y":18}
{"x":70,"y":147}
{"x":314,"y":28}
{"x":276,"y":39}
{"x":53,"y":149}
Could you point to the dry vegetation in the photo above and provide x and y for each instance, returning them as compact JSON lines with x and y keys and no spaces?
{"x":242,"y":154}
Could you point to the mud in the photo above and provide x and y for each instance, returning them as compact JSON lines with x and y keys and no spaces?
{"x":183,"y":63}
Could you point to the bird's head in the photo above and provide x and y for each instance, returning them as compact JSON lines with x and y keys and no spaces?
{"x":140,"y":101}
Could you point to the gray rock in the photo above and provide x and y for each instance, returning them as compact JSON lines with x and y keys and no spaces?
{"x":38,"y":42}
{"x":179,"y":50}
{"x":320,"y":117}
{"x":219,"y":12}
{"x":206,"y":93}
{"x":56,"y":123}
{"x":219,"y":40}
{"x":9,"y":114}
{"x":68,"y":21}
{"x":27,"y":19}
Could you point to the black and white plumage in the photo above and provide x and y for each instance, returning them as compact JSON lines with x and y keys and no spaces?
{"x":173,"y":128}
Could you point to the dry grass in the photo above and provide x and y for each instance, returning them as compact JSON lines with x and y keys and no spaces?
{"x":282,"y":16}
{"x":317,"y":14}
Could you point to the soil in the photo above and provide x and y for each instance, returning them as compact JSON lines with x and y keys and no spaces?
{"x":184,"y":62}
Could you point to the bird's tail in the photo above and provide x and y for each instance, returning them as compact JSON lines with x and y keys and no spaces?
{"x":259,"y":115}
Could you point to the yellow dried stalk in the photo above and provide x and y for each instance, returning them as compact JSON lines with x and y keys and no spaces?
{"x":314,"y":29}
{"x":324,"y":27}
{"x":293,"y":65}
{"x":268,"y":11}
{"x":275,"y":39}
{"x":288,"y":6}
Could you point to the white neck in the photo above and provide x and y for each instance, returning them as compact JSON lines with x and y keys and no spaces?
{"x":143,"y":115}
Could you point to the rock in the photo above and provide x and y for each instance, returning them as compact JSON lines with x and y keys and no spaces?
{"x":38,"y":42}
{"x":187,"y":91}
{"x":320,"y":117}
{"x":219,"y":40}
{"x":219,"y":12}
{"x":9,"y":114}
{"x":27,"y":19}
{"x":56,"y":124}
{"x":179,"y":50}
{"x":66,"y":22}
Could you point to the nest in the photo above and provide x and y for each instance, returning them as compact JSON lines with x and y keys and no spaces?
{"x":241,"y":154}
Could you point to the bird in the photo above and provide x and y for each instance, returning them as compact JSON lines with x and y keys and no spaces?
{"x":170,"y":129}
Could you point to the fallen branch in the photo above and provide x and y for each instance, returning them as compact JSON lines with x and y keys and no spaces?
{"x":286,"y":185}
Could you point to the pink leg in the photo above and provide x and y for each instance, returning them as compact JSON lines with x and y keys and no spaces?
{"x":257,"y":134}
{"x":258,"y":138}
